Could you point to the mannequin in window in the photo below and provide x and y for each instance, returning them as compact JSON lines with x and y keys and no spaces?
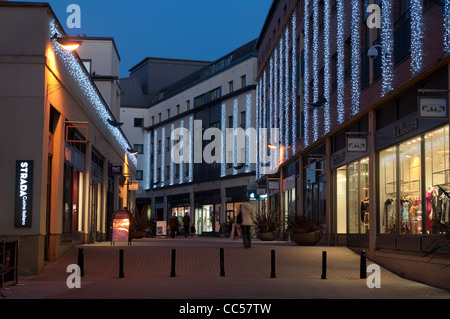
{"x":429,"y":196}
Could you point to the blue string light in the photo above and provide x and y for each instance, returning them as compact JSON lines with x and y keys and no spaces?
{"x":387,"y":40}
{"x":356,"y":57}
{"x":416,"y":36}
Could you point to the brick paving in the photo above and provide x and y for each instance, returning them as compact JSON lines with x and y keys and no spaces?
{"x":147,"y":270}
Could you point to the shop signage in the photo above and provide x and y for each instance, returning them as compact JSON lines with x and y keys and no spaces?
{"x":115,"y":170}
{"x":121,"y":226}
{"x":133,"y":186}
{"x":24,"y":194}
{"x":405,"y":128}
{"x":433,"y":107}
{"x":356,"y":144}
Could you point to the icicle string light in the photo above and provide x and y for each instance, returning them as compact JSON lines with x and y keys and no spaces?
{"x":387,"y":40}
{"x":148,"y":145}
{"x":248,"y":124}
{"x":356,"y":56}
{"x":191,"y":152}
{"x":447,"y":26}
{"x":79,"y":75}
{"x":271,"y":93}
{"x":416,"y":36}
{"x":155,"y":158}
{"x":172,"y":164}
{"x":294,"y":79}
{"x":163,"y":156}
{"x":315,"y":55}
{"x":235,"y":141}
{"x":287,"y":100}
{"x":281,"y":90}
{"x":306,"y":75}
{"x":327,"y":63}
{"x":182,"y":164}
{"x":340,"y":60}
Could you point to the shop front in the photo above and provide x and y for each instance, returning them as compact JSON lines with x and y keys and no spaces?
{"x":350,"y":171}
{"x":207,"y":213}
{"x":180,"y":206}
{"x":413,"y":176}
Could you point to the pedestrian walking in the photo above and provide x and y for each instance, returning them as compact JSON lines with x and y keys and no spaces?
{"x":174,"y":225}
{"x":186,"y":223}
{"x":245,"y":216}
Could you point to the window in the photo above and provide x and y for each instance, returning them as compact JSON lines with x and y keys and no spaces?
{"x":167,"y":144}
{"x":159,"y":117}
{"x":139,"y":148}
{"x":243,"y":81}
{"x":153,"y":120}
{"x":199,"y":100}
{"x":167,"y":172}
{"x":168,"y":113}
{"x":138,"y":122}
{"x":243,"y":120}
{"x":215,"y":94}
{"x":139,"y":175}
{"x":188,"y":105}
{"x":230,"y":87}
{"x":159,"y":147}
{"x":177,"y":109}
{"x":88,"y":65}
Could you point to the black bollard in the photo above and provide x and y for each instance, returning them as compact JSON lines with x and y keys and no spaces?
{"x":324,"y":265}
{"x":222,"y":263}
{"x":363,"y":269}
{"x":81,"y":261}
{"x":121,"y":273}
{"x":272,"y":273}
{"x":172,"y":272}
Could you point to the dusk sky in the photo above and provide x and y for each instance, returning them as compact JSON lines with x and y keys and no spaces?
{"x":197,"y":30}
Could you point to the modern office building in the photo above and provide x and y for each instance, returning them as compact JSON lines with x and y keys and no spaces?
{"x":361,"y":100}
{"x":197,"y":109}
{"x":60,"y":144}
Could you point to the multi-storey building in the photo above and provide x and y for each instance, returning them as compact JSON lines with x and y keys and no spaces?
{"x":210,"y":179}
{"x":360,"y":97}
{"x":58,"y":188}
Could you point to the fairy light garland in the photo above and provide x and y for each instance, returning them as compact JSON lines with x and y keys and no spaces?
{"x":416,"y":36}
{"x":172,"y":164}
{"x":181,"y":171}
{"x":294,"y":78}
{"x":447,"y":26}
{"x":306,"y":75}
{"x":327,"y":63}
{"x":191,"y":151}
{"x":387,"y":40}
{"x":148,"y":145}
{"x":356,"y":57}
{"x":248,"y":124}
{"x":315,"y":55}
{"x":287,"y":100}
{"x":79,"y":75}
{"x":155,"y":158}
{"x":163,"y":156}
{"x":340,"y":61}
{"x":281,"y":90}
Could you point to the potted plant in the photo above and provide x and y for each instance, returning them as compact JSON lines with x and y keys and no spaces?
{"x":304,"y":231}
{"x":266,"y":225}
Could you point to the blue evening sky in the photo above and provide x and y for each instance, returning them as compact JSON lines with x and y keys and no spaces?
{"x":179,"y":29}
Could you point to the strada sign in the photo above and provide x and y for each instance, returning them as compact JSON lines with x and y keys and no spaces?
{"x":24,"y":194}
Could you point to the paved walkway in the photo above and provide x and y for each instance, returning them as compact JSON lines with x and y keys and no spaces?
{"x":147,"y":273}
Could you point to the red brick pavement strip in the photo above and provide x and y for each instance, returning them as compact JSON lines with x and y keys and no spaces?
{"x":147,"y":269}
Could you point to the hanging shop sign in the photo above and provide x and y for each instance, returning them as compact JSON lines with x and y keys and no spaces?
{"x":433,"y":107}
{"x":24,"y":194}
{"x":121,"y":226}
{"x":115,"y":169}
{"x":356,"y":144}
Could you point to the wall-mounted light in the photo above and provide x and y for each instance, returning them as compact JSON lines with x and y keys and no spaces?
{"x":115,"y":123}
{"x":132,"y":151}
{"x":318,"y":104}
{"x":67,"y":43}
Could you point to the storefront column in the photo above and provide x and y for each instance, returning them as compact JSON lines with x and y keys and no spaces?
{"x":103,"y":218}
{"x":372,"y":183}
{"x":299,"y":188}
{"x":87,"y":190}
{"x":329,"y":197}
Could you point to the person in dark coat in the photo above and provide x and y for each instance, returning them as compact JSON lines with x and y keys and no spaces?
{"x":174,"y":225}
{"x":186,"y":223}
